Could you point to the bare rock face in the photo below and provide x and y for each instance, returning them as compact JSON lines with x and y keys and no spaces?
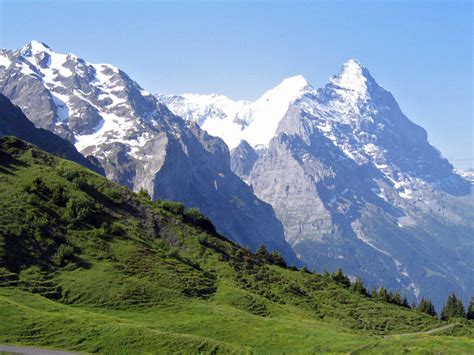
{"x":138,"y":141}
{"x":355,"y":183}
{"x":242,"y":159}
{"x":14,"y":123}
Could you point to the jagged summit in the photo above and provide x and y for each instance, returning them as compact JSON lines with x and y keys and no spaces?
{"x":244,"y":144}
{"x":35,"y":47}
{"x":354,"y":77}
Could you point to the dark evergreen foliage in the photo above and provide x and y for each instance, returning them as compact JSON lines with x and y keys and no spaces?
{"x":143,"y":193}
{"x":470,"y":309}
{"x":453,"y":308}
{"x":358,"y":286}
{"x":276,"y":258}
{"x":426,"y":306}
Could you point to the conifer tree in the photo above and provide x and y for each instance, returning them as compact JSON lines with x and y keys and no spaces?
{"x":453,"y":308}
{"x":470,"y":309}
{"x":397,"y":299}
{"x":262,"y":252}
{"x":277,"y":259}
{"x":383,"y":294}
{"x":390,"y":296}
{"x":426,"y":306}
{"x":358,"y":286}
{"x":405,"y":302}
{"x":144,"y":194}
{"x":305,"y":270}
{"x":339,"y":276}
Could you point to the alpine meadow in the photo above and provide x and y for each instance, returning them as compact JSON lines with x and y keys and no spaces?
{"x":191,"y":209}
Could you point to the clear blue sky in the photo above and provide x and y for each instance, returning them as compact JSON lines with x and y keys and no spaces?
{"x":419,"y":50}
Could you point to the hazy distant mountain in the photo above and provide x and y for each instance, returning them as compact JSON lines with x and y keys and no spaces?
{"x":138,"y":141}
{"x":467,"y":174}
{"x":355,"y":183}
{"x":234,"y":121}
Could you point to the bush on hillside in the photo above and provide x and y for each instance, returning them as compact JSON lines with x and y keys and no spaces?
{"x":59,"y":196}
{"x":112,"y":194}
{"x":339,"y":276}
{"x":38,"y":188}
{"x":143,"y":193}
{"x":171,"y":206}
{"x":195,"y":217}
{"x":67,"y":171}
{"x":80,"y":208}
{"x":358,"y":286}
{"x":277,"y":259}
{"x":63,"y":255}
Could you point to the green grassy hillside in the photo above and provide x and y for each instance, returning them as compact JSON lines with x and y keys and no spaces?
{"x":87,"y":265}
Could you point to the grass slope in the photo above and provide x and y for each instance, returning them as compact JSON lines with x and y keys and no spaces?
{"x":87,"y":265}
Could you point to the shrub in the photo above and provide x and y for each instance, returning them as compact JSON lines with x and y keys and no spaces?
{"x":80,"y":208}
{"x":116,"y":228}
{"x":203,"y":239}
{"x":59,"y":196}
{"x":339,"y":276}
{"x":262,"y":253}
{"x":64,"y":254}
{"x":305,"y":270}
{"x":195,"y":217}
{"x":67,"y":171}
{"x":173,"y":252}
{"x":143,"y":194}
{"x":38,"y":187}
{"x":172,"y":206}
{"x":80,"y":182}
{"x":112,"y":194}
{"x":277,"y":259}
{"x":358,"y":286}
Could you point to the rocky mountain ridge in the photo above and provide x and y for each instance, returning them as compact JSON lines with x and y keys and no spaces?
{"x":137,"y":140}
{"x":14,"y":122}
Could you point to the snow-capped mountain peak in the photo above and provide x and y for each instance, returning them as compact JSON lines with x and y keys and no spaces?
{"x":35,"y":47}
{"x":354,"y":83}
{"x":352,"y":75}
{"x":90,"y":103}
{"x":288,"y":89}
{"x":253,"y":121}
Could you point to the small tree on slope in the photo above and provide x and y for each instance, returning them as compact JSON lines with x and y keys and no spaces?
{"x":453,"y":308}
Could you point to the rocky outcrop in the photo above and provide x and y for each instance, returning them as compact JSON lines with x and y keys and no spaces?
{"x":14,"y":123}
{"x":242,"y":159}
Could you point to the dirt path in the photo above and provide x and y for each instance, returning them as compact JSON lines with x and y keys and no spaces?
{"x":366,"y":347}
{"x":431,"y":331}
{"x":30,"y":351}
